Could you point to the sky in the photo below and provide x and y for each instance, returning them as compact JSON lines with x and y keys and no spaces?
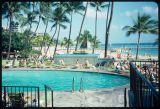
{"x":123,"y":13}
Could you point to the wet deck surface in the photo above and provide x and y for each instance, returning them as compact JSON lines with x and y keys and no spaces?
{"x":101,"y":98}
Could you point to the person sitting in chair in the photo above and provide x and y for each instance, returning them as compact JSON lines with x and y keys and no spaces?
{"x":88,"y":65}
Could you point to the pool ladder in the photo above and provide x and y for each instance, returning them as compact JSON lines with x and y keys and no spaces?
{"x":73,"y":85}
{"x":81,"y":85}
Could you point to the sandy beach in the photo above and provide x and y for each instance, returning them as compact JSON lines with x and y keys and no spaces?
{"x":62,"y":50}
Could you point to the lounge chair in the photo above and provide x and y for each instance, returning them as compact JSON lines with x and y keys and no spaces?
{"x":3,"y":63}
{"x":87,"y":65}
{"x":16,"y":99}
{"x":9,"y":64}
{"x":16,"y":64}
{"x":62,"y":64}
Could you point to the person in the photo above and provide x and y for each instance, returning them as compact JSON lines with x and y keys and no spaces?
{"x":128,"y":56}
{"x":118,"y":67}
{"x":62,"y":62}
{"x":88,"y":65}
{"x":78,"y":65}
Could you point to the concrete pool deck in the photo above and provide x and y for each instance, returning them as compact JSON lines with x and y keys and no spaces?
{"x":88,"y":98}
{"x":110,"y":97}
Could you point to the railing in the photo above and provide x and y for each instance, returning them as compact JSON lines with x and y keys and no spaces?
{"x":81,"y":86}
{"x":73,"y":85}
{"x":46,"y":90}
{"x":125,"y":98}
{"x":144,"y":83}
{"x":20,"y":96}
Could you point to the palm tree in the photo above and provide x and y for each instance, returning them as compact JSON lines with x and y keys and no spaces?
{"x":73,"y":7}
{"x":65,"y":42}
{"x":37,"y":40}
{"x":98,"y":6}
{"x":95,"y":42}
{"x":10,"y":10}
{"x":53,"y":19}
{"x":108,"y":24}
{"x":28,"y":22}
{"x":143,"y":24}
{"x":85,"y":38}
{"x":81,"y":26}
{"x":45,"y":13}
{"x":59,"y":18}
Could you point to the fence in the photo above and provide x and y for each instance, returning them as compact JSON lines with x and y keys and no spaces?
{"x":20,"y":96}
{"x":46,"y":90}
{"x":144,"y":83}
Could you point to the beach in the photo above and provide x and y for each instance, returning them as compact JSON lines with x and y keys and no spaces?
{"x":62,"y":50}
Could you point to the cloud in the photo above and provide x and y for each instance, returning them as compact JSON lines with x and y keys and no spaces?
{"x":115,"y":27}
{"x":130,"y":13}
{"x":149,"y":9}
{"x":92,"y":13}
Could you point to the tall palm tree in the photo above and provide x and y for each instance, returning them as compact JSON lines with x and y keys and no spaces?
{"x":45,"y":13}
{"x":73,"y":7}
{"x":108,"y":24}
{"x":143,"y":24}
{"x":59,"y":18}
{"x":97,"y":6}
{"x":81,"y":26}
{"x":53,"y":19}
{"x":28,"y":21}
{"x":11,"y":9}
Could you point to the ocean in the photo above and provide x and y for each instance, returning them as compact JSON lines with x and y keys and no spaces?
{"x":144,"y":48}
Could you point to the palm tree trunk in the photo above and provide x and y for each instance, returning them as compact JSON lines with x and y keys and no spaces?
{"x":51,"y":41}
{"x":69,"y":33}
{"x":56,"y":41}
{"x":108,"y":28}
{"x":95,"y":30}
{"x":138,"y":45}
{"x":10,"y":38}
{"x":7,"y":23}
{"x":29,"y":39}
{"x":81,"y":27}
{"x":43,"y":37}
{"x":106,"y":38}
{"x":37,"y":24}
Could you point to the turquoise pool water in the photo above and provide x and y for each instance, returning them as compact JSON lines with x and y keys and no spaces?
{"x":62,"y":80}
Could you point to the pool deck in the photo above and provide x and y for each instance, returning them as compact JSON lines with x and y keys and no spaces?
{"x":88,"y":98}
{"x":107,"y":97}
{"x":69,"y":69}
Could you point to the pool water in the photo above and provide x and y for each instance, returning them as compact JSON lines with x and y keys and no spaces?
{"x":62,"y":80}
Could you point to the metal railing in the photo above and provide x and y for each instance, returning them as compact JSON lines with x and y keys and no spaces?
{"x":20,"y":96}
{"x":73,"y":85}
{"x":144,"y":86}
{"x":125,"y":98}
{"x":46,"y":90}
{"x":81,"y":86}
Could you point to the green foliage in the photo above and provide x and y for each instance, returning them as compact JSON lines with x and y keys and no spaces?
{"x":65,"y":42}
{"x":37,"y":40}
{"x":143,"y":24}
{"x":18,"y":41}
{"x":97,"y":42}
{"x":24,"y":53}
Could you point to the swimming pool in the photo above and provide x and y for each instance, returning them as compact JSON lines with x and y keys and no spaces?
{"x":61,"y":80}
